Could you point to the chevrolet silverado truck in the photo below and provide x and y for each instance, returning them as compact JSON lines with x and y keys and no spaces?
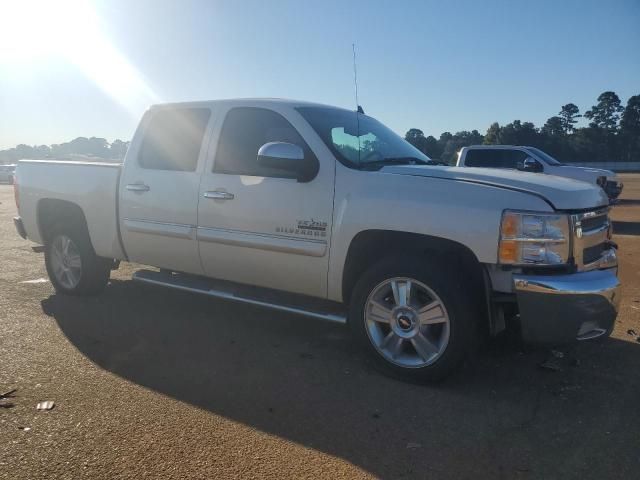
{"x":325,"y":212}
{"x":531,"y":159}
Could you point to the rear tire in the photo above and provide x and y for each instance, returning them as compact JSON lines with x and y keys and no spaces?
{"x":424,"y":337}
{"x":72,"y":264}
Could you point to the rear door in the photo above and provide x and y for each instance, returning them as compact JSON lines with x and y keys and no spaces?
{"x":159,"y":188}
{"x":258,"y":225}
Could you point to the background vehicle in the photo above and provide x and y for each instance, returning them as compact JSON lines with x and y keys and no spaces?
{"x":531,"y":159}
{"x":6,"y":173}
{"x":326,"y":212}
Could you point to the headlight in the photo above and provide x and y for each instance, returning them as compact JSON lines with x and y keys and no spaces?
{"x":533,"y":238}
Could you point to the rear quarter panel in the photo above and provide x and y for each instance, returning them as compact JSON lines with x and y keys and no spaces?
{"x":91,"y":186}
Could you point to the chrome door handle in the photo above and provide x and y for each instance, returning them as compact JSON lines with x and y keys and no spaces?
{"x":138,"y":187}
{"x":219,"y":195}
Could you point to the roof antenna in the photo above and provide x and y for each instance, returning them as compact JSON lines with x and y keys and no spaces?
{"x":355,"y":79}
{"x":358,"y":107}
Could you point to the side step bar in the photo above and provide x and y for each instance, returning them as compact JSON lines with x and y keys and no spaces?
{"x":274,"y":299}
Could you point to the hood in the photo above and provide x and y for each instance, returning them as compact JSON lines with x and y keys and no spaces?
{"x":587,"y":174}
{"x":563,"y":193}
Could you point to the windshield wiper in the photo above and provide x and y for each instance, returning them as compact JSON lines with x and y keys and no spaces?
{"x":377,"y":164}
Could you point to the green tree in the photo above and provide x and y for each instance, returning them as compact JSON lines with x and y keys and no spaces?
{"x":606,"y":113}
{"x":492,"y":137}
{"x":569,"y":115}
{"x":416,"y":137}
{"x":554,"y":127}
{"x":630,"y":129}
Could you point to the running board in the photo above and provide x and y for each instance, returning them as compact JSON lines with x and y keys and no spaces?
{"x":274,"y":299}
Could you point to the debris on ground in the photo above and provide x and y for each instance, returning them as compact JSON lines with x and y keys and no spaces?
{"x":24,"y":429}
{"x":37,"y":280}
{"x":4,"y":396}
{"x":46,"y":405}
{"x":550,"y":364}
{"x":632,"y":332}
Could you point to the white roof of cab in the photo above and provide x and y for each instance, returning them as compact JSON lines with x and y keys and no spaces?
{"x":257,"y":102}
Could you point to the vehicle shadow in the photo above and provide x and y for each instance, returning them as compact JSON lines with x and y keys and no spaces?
{"x":304,"y":381}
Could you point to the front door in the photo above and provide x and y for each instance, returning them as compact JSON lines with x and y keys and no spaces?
{"x":159,"y":189}
{"x":260,"y":226}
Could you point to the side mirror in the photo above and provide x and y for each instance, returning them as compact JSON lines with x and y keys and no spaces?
{"x":530,"y":165}
{"x":288,"y":157}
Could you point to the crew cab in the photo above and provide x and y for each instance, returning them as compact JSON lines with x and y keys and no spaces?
{"x":325,"y":212}
{"x":532,"y":159}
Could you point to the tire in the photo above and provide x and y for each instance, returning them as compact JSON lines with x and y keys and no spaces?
{"x":89,"y":272}
{"x":425,"y":340}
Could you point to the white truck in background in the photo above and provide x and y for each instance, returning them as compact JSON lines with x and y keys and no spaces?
{"x":326,"y":212}
{"x":532,"y":159}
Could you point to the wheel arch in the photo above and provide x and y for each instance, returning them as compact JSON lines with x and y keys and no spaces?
{"x":368,"y":246}
{"x":51,"y":212}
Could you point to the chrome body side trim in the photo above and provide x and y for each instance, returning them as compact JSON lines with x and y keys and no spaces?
{"x":564,"y":308}
{"x":159,"y":228}
{"x":276,"y":243}
{"x":332,"y":317}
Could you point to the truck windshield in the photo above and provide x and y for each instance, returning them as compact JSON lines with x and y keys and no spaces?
{"x":359,"y":141}
{"x":544,"y":156}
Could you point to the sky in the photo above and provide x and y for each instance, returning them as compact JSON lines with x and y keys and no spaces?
{"x":73,"y":68}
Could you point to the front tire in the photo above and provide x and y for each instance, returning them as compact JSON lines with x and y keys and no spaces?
{"x":414,"y":317}
{"x":72,"y":264}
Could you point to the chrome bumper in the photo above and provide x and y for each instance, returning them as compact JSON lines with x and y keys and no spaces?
{"x":564,"y":308}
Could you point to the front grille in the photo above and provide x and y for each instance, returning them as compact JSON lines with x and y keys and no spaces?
{"x":593,"y":223}
{"x":591,"y":254}
{"x":590,"y":237}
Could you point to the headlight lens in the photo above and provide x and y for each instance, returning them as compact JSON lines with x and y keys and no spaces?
{"x":533,"y":238}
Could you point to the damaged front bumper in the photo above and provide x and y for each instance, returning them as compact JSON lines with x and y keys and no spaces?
{"x":558,"y":309}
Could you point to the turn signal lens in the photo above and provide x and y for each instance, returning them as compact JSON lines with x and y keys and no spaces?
{"x":510,"y":224}
{"x":508,"y":251}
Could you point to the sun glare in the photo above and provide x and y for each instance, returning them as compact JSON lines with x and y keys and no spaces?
{"x":31,"y":30}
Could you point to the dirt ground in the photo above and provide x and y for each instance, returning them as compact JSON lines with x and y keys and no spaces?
{"x":152,"y":383}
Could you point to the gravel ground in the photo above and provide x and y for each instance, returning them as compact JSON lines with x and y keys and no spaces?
{"x":153,"y":383}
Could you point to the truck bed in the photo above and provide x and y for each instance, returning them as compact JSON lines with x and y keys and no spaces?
{"x":93,"y":186}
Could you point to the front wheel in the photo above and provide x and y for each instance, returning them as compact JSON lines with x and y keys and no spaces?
{"x":72,"y":265}
{"x":414,"y":318}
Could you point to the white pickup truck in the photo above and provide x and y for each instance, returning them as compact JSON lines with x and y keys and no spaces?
{"x":326,"y":212}
{"x":532,"y":159}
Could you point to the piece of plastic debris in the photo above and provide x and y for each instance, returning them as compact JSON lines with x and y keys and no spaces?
{"x":37,"y":280}
{"x":631,"y":331}
{"x":413,"y":445}
{"x":24,"y":429}
{"x":549,"y":365}
{"x":557,"y":353}
{"x":46,"y":405}
{"x":3,"y":396}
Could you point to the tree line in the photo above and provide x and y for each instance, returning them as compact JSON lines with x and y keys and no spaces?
{"x":613,"y":134}
{"x":93,"y":148}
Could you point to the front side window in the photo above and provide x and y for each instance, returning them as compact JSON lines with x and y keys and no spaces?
{"x":173,"y":138}
{"x":359,"y":141}
{"x":512,"y":158}
{"x":545,"y":156}
{"x":244,"y":131}
{"x":484,"y":158}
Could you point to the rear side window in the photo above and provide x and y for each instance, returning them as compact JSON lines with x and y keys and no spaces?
{"x":499,"y":158}
{"x":173,"y":138}
{"x":244,"y":131}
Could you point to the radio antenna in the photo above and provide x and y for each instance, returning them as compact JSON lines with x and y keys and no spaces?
{"x":358,"y":107}
{"x":355,"y":76}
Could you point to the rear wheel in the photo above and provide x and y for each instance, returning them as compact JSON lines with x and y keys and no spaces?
{"x":72,"y":264}
{"x":413,"y":317}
